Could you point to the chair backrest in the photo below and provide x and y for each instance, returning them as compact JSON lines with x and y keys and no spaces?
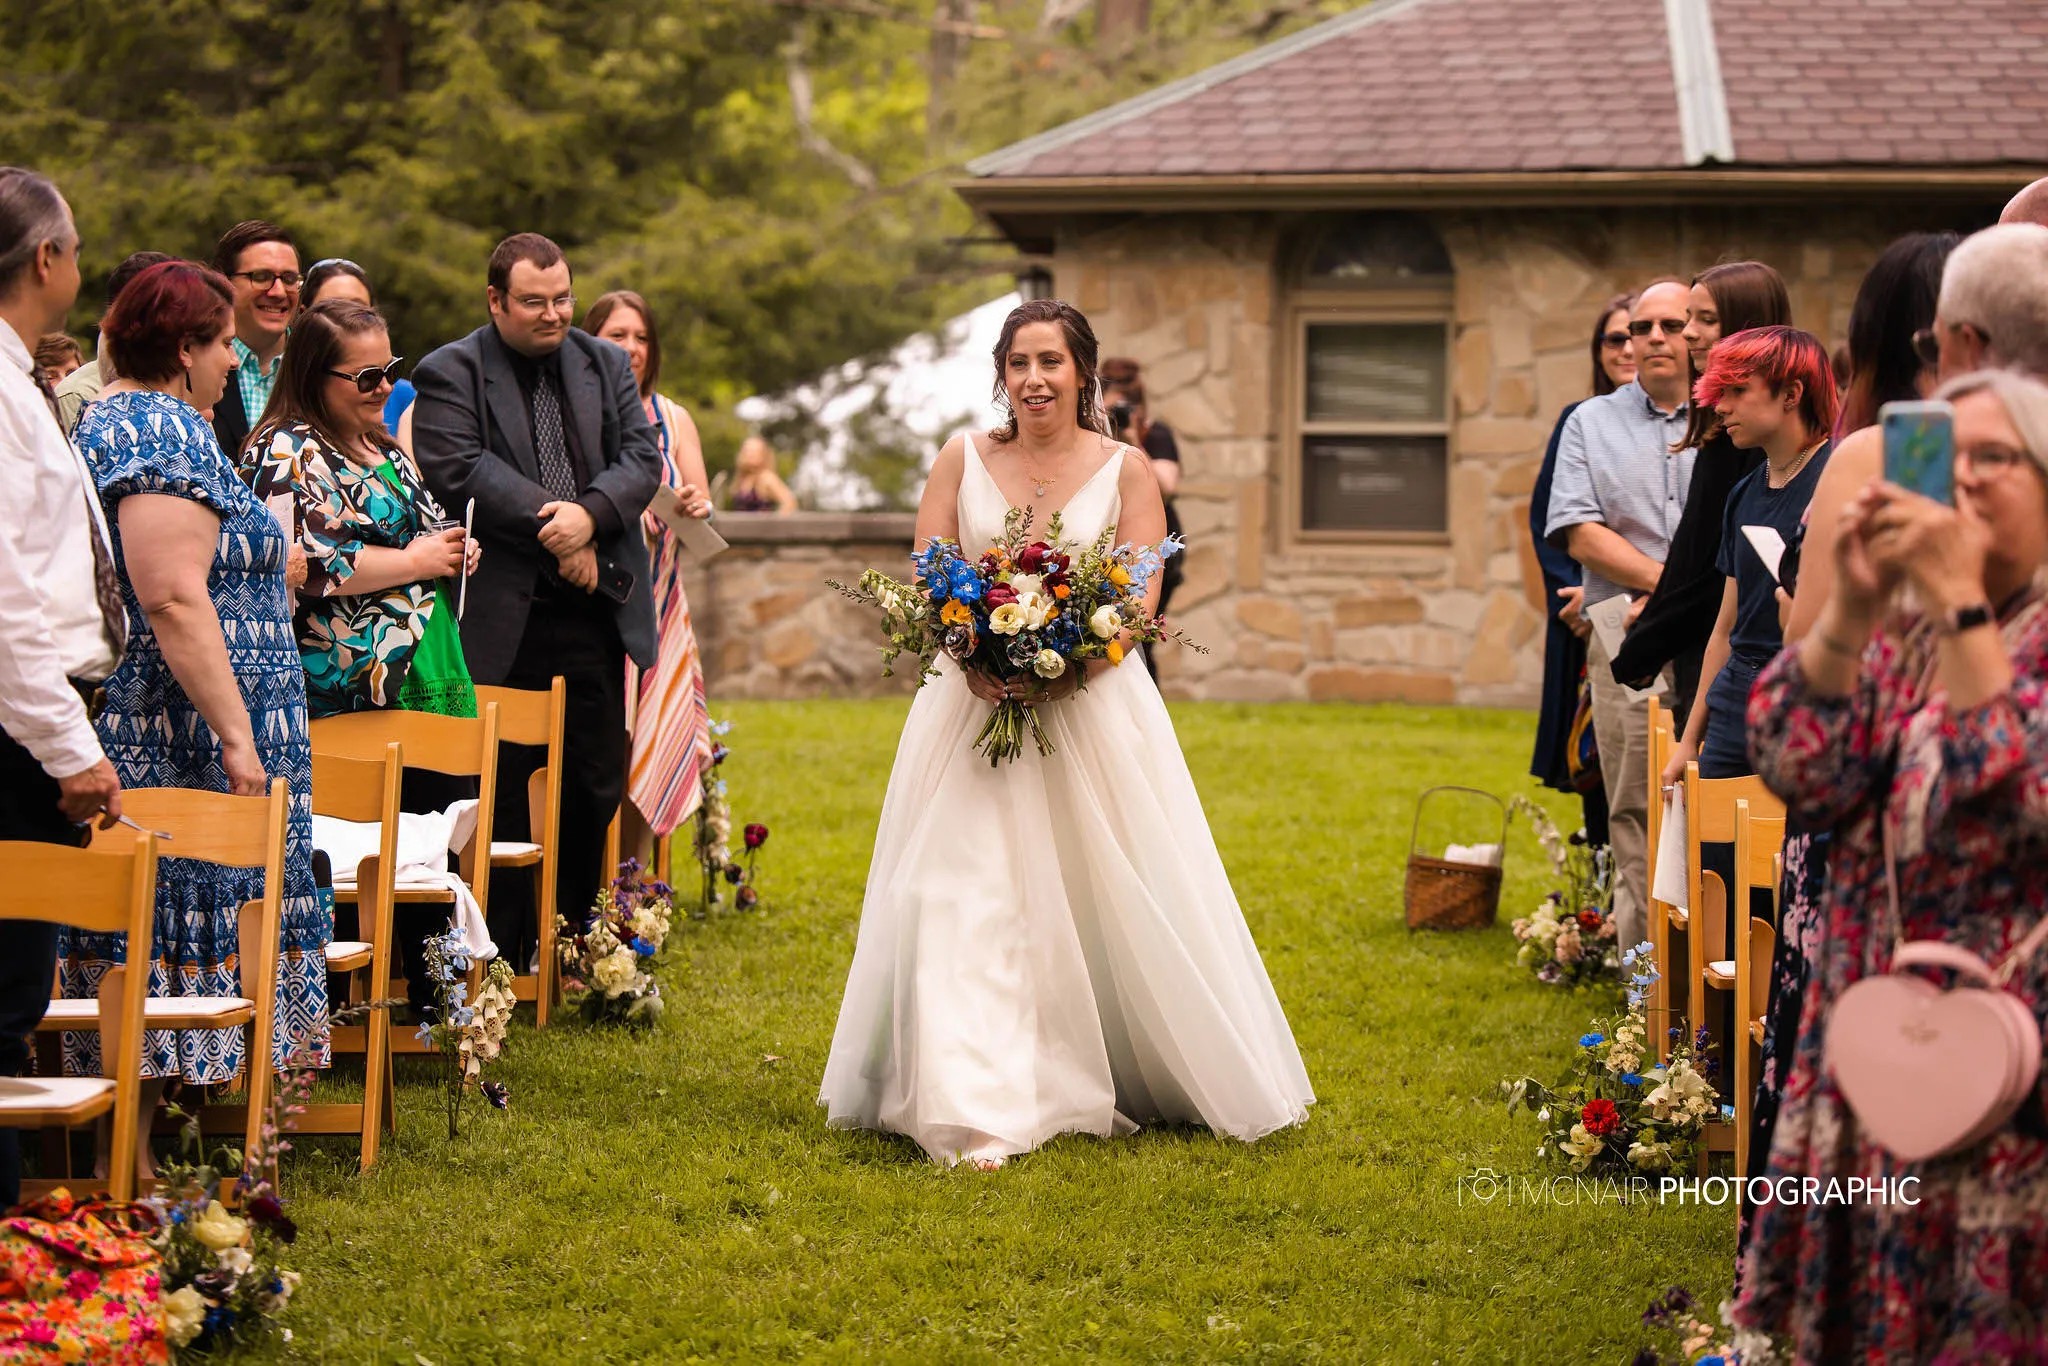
{"x":1759,"y":844}
{"x":1660,"y":754}
{"x":461,"y":746}
{"x":106,"y":891}
{"x":367,"y":790}
{"x":532,"y":717}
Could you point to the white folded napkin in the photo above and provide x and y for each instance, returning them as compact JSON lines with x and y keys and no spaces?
{"x":424,"y":840}
{"x":1484,"y":855}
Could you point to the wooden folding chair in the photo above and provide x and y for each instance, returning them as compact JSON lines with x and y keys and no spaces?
{"x":459,"y":746}
{"x":102,"y":892}
{"x":233,"y":832}
{"x":363,"y":790}
{"x":1710,"y":819}
{"x":1663,"y":917}
{"x":1759,"y":849}
{"x":535,"y":718}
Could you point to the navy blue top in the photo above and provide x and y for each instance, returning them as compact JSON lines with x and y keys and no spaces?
{"x":1756,"y":637}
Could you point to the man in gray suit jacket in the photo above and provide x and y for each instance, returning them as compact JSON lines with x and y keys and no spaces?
{"x":542,"y":425}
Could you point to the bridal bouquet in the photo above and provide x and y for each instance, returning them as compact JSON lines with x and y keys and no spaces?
{"x":1023,"y":609}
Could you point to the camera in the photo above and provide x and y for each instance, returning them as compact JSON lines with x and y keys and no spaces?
{"x":1120,"y":415}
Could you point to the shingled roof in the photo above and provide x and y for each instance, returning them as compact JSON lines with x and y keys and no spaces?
{"x":1538,"y":87}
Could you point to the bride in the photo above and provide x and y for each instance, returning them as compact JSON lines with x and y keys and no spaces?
{"x":1051,"y":946}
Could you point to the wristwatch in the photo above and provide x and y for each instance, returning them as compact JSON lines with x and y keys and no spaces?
{"x":1959,"y":619}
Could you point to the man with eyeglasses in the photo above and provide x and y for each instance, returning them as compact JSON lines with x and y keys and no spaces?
{"x":1616,"y":497}
{"x":541,"y":424}
{"x":262,"y":264}
{"x":1992,"y":313}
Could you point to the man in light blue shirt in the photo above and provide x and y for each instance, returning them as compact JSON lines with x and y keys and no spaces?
{"x":1615,"y":500}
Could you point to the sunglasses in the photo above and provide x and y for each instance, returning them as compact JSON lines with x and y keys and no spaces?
{"x":1642,"y":327}
{"x":368,"y":380}
{"x":1614,"y":339}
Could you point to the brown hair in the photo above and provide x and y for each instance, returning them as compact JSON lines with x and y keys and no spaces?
{"x":313,"y":349}
{"x":1080,"y":342}
{"x":1122,"y":373}
{"x":227,"y":253}
{"x":1746,"y":294}
{"x":54,"y":348}
{"x":600,"y":313}
{"x":1603,"y":383}
{"x":530,"y":247}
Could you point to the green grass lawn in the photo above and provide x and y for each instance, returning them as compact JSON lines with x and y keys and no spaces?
{"x":676,"y":1196}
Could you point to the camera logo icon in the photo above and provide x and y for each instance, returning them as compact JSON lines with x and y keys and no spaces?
{"x":1482,"y":1186}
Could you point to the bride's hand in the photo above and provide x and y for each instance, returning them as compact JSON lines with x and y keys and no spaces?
{"x":1036,"y":690}
{"x":981,"y":685}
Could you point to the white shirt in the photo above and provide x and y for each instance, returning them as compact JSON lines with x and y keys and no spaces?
{"x":50,"y":625}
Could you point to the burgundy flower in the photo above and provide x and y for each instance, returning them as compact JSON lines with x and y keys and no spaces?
{"x":999,"y":595}
{"x":1600,"y":1117}
{"x":1033,"y":557}
{"x":267,"y":1211}
{"x":756,"y":836}
{"x":1589,"y":921}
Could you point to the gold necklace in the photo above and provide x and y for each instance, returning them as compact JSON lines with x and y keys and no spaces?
{"x":1038,"y":485}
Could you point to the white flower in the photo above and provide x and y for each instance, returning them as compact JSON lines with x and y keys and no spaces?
{"x":1038,"y":608}
{"x":1049,"y":664}
{"x":184,"y":1312}
{"x":1583,"y":1147}
{"x":615,"y":973}
{"x":1105,"y":623}
{"x":1683,"y":1091}
{"x":1650,"y":1157}
{"x":1008,"y":619}
{"x":1026,"y":584}
{"x":650,"y":924}
{"x":236,"y":1261}
{"x":288,"y":1281}
{"x":218,"y":1229}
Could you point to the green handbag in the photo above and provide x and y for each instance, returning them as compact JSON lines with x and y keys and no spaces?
{"x":437,"y":680}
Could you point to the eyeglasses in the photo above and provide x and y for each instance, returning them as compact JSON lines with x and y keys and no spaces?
{"x":1990,"y":461}
{"x":1642,"y":327}
{"x":264,"y":279}
{"x":368,"y":380}
{"x":561,"y":303}
{"x":1614,"y":339}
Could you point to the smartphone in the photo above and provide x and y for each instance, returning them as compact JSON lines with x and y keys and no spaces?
{"x":1920,"y":447}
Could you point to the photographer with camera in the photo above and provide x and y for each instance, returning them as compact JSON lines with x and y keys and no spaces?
{"x":1123,"y":399}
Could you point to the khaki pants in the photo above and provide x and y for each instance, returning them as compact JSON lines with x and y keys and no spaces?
{"x":1621,"y":726}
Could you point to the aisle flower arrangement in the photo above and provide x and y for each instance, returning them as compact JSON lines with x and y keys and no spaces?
{"x":1024,"y":609}
{"x":714,"y":837}
{"x":467,"y":1034}
{"x":608,"y":965}
{"x":1569,"y":939}
{"x":1615,"y":1112}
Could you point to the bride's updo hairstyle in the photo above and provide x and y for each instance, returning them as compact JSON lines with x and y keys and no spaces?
{"x":1081,"y":344}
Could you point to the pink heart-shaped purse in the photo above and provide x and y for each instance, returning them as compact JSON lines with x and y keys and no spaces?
{"x":1929,"y":1071}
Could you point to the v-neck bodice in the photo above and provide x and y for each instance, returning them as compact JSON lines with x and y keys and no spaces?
{"x":983,"y":505}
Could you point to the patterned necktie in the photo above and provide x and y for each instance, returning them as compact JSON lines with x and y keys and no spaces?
{"x":106,"y":586}
{"x":549,"y":447}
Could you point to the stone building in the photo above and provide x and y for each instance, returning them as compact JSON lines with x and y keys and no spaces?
{"x":1362,"y":265}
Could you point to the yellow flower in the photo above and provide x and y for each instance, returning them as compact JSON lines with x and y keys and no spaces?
{"x":1116,"y":652}
{"x":218,"y":1229}
{"x":1119,"y":576}
{"x":1007,"y":620}
{"x":184,"y":1312}
{"x":956,"y":613}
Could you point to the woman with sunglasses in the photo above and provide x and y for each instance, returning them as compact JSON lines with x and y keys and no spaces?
{"x":1564,"y":645}
{"x":376,"y":622}
{"x":336,"y":277}
{"x":1678,"y":617}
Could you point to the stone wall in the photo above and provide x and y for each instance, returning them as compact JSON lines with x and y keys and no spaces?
{"x":1199,"y":300}
{"x":767,"y":623}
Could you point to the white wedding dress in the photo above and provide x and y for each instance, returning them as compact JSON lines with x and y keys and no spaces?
{"x":1052,"y":946}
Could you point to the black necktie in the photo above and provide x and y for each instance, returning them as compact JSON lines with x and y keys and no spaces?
{"x":549,"y":447}
{"x":106,"y":587}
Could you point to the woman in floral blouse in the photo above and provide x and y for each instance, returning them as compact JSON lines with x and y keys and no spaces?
{"x":375,"y":618}
{"x":1933,"y":722}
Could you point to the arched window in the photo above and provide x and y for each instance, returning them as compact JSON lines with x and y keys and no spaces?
{"x":1369,"y":415}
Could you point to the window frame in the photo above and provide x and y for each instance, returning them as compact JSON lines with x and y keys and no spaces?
{"x":1322,"y":304}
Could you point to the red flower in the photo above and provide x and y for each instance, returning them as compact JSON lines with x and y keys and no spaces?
{"x":998,"y":595}
{"x":1033,"y":557}
{"x":1589,"y":921}
{"x":756,"y":835}
{"x":1600,"y":1117}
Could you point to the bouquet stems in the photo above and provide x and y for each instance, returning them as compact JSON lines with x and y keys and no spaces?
{"x":1002,"y":735}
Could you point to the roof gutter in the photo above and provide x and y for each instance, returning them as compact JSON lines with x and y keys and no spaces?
{"x":1703,"y":130}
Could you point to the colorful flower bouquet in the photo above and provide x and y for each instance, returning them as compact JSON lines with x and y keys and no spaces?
{"x":1568,"y":940}
{"x":467,"y":1035}
{"x":609,"y":963}
{"x":1029,"y":609}
{"x":1613,"y":1114}
{"x":1675,"y":1316}
{"x":714,"y":836}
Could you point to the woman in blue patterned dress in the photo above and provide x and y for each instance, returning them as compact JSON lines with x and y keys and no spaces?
{"x":211,"y":694}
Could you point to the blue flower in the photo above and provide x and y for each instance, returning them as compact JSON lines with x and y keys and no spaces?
{"x":458,"y":993}
{"x":1631,"y":1079}
{"x":425,"y":1033}
{"x":1589,"y":1040}
{"x":463,"y":1017}
{"x":721,"y":727}
{"x":219,"y":1319}
{"x":641,"y":947}
{"x":1715,"y":1360}
{"x":966,"y":584}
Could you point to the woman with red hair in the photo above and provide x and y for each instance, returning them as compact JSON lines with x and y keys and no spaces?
{"x":1773,"y":389}
{"x":211,"y":694}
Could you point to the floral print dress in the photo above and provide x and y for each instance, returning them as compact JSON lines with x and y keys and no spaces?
{"x":151,"y":443}
{"x":1961,"y":1276}
{"x":357,"y":647}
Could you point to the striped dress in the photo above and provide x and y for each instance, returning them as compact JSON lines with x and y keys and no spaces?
{"x":671,"y":720}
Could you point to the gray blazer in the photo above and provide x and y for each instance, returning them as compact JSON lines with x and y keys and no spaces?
{"x":473,"y":440}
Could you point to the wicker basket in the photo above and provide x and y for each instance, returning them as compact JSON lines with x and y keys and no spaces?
{"x":1441,"y":895}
